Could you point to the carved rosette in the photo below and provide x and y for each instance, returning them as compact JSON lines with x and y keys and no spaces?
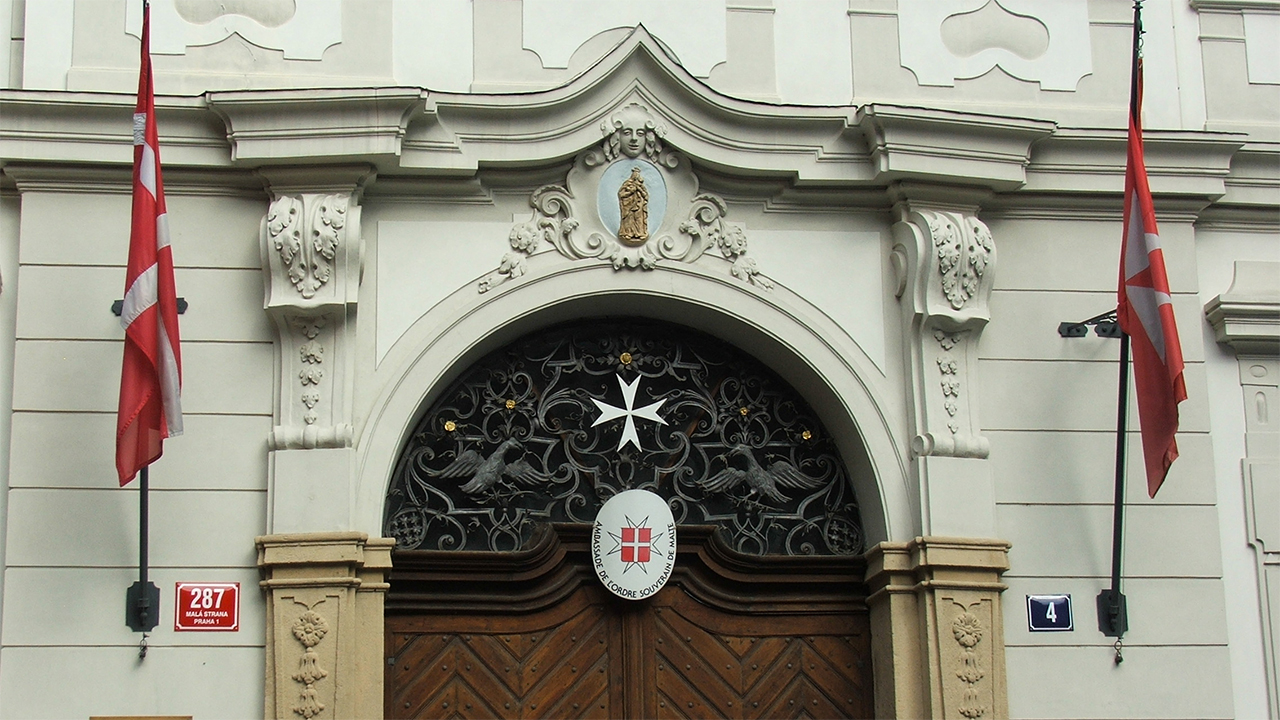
{"x":311,"y":249}
{"x":966,"y":628}
{"x":309,"y":630}
{"x":943,"y":259}
{"x":683,"y":224}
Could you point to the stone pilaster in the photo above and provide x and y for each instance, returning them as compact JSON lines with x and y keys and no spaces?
{"x":324,"y":623}
{"x":1246,"y":318}
{"x":311,"y":257}
{"x":938,"y":629}
{"x":943,"y":261}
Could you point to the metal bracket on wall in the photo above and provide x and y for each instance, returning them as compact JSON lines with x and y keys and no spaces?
{"x":1105,"y":325}
{"x":117,"y":307}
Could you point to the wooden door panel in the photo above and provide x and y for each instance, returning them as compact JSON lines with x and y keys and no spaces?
{"x":768,"y":639}
{"x":787,"y":666}
{"x":551,"y":664}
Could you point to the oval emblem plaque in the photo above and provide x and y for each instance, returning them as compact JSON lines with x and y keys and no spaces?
{"x":633,"y":544}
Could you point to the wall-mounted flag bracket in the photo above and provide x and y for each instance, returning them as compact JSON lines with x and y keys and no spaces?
{"x":1104,"y":325}
{"x":117,"y":307}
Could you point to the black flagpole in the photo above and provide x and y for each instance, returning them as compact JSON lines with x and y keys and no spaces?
{"x":1113,"y":616}
{"x":142,"y":601}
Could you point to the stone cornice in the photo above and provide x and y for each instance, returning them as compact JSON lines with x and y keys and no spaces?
{"x":1247,"y":316}
{"x":1092,"y":160}
{"x":949,"y":146}
{"x":48,"y":126}
{"x":332,"y":124}
{"x":408,"y":132}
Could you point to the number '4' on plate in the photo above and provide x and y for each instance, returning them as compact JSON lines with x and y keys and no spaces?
{"x":1049,"y":613}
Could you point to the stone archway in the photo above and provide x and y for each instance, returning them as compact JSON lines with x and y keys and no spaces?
{"x":919,"y":586}
{"x":493,"y":609}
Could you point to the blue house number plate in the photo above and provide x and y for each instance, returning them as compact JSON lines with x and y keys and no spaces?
{"x":1049,"y":613}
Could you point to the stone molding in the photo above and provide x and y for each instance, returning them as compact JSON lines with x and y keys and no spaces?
{"x":1247,"y":316}
{"x":324,"y":623}
{"x":312,"y":252}
{"x":942,"y":262}
{"x":340,"y":124}
{"x":938,"y":628}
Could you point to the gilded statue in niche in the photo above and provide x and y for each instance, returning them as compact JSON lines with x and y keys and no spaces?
{"x":633,"y":210}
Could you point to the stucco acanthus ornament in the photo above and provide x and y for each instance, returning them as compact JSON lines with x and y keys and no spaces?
{"x":943,"y":259}
{"x":307,"y":245}
{"x":963,"y":253}
{"x":311,"y":249}
{"x":631,"y":201}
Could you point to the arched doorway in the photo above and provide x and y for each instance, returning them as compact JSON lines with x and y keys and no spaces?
{"x":493,"y":609}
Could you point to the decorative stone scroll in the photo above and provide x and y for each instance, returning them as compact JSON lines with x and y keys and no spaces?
{"x":943,"y":260}
{"x":632,"y":202}
{"x":311,"y":250}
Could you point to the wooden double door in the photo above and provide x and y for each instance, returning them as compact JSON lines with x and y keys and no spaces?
{"x":534,"y":634}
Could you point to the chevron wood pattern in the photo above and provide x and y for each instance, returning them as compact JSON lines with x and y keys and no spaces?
{"x":493,"y":635}
{"x":553,"y":666}
{"x":771,"y":673}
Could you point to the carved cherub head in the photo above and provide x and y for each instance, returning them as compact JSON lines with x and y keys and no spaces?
{"x":631,"y":131}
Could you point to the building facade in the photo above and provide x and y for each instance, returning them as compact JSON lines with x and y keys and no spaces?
{"x":882,"y":209}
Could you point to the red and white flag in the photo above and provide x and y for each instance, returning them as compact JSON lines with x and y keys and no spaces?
{"x":1145,"y":313}
{"x":151,"y":379}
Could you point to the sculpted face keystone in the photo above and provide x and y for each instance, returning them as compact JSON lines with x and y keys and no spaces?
{"x":633,"y":139}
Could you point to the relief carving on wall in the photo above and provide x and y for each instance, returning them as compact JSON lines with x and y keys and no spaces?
{"x":307,"y":246}
{"x":309,"y":629}
{"x":300,"y":29}
{"x":963,"y":254}
{"x":630,"y":201}
{"x":310,"y":244}
{"x":943,"y":259}
{"x":942,"y":41}
{"x":967,"y":630}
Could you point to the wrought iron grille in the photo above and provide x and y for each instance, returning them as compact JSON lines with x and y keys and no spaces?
{"x":543,"y":431}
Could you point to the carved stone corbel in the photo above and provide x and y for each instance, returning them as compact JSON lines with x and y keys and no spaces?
{"x":311,"y":257}
{"x":942,"y":261}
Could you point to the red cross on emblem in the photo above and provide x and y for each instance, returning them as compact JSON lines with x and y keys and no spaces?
{"x":636,"y":544}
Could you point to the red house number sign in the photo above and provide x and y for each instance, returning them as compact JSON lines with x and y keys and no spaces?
{"x":207,"y":606}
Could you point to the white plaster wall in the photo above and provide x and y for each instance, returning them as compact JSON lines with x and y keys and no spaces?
{"x":10,"y":214}
{"x":71,"y":537}
{"x":10,"y":26}
{"x":432,"y":44}
{"x":1049,"y":407}
{"x":1216,"y":252}
{"x":421,"y":263}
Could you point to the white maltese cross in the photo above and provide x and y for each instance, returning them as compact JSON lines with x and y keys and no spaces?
{"x":609,"y":412}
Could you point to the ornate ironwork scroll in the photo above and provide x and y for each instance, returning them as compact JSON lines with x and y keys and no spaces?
{"x":550,"y":427}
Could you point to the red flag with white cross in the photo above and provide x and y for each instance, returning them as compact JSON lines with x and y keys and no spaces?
{"x":1145,"y":313}
{"x":151,"y":377}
